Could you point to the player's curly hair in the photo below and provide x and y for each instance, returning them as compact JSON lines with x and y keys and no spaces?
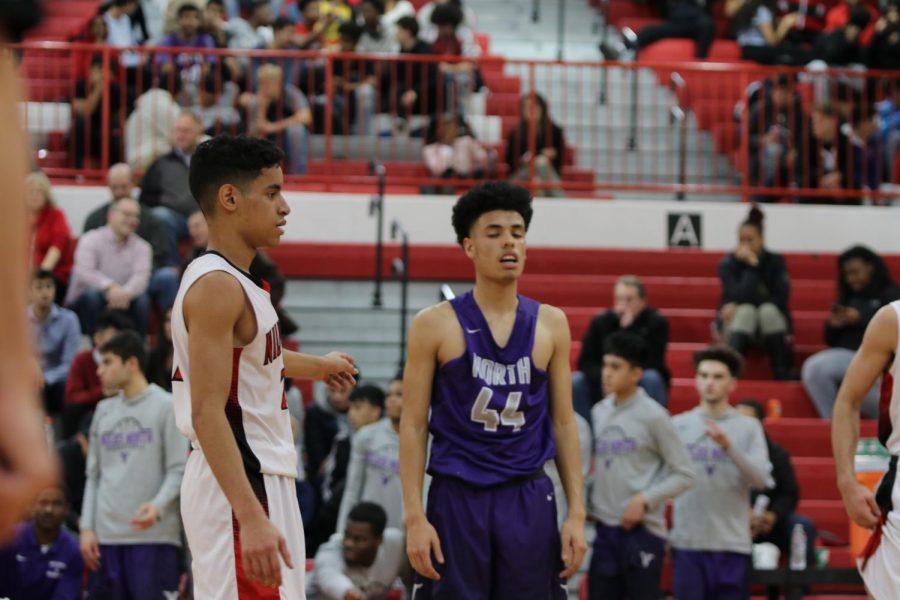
{"x":228,"y":159}
{"x":486,"y":197}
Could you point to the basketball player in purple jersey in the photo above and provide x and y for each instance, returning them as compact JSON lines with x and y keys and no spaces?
{"x":492,"y":367}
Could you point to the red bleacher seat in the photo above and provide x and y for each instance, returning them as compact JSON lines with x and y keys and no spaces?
{"x":622,"y":9}
{"x":724,"y":51}
{"x":484,"y":42}
{"x":669,"y":50}
{"x":725,"y":136}
{"x":638,"y":23}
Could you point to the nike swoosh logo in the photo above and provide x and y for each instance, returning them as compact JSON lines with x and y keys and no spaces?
{"x":472,"y":330}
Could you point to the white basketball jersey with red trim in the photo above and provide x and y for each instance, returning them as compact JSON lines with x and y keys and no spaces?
{"x":893,"y":443}
{"x":256,"y":406}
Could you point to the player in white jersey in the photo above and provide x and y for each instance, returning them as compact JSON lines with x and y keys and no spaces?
{"x":238,"y":498}
{"x":877,"y":356}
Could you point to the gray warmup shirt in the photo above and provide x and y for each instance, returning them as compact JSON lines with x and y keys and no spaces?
{"x":136,"y":455}
{"x":636,"y":451}
{"x":373,"y":473}
{"x":714,"y":515}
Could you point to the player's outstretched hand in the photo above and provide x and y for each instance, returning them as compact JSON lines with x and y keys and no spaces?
{"x":861,"y":506}
{"x":421,"y":541}
{"x":339,"y":371}
{"x":574,"y":545}
{"x":261,"y":547}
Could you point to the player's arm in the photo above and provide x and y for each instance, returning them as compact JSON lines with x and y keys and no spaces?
{"x":680,"y":474}
{"x":212,"y":308}
{"x":26,"y":465}
{"x":565,"y":434}
{"x":335,"y":369}
{"x":872,"y":358}
{"x":418,"y":376}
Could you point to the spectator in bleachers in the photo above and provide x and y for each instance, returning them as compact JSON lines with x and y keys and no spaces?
{"x":460,"y":78}
{"x":755,"y":291}
{"x":761,"y":34}
{"x":313,"y":25}
{"x":394,"y":10}
{"x":217,"y":106}
{"x":864,"y":286}
{"x":112,"y":269}
{"x":376,"y":37}
{"x":353,"y":85}
{"x":86,"y":135}
{"x":631,"y":313}
{"x":83,"y":388}
{"x":776,"y":521}
{"x":451,"y":151}
{"x":130,"y":525}
{"x":366,"y":407}
{"x":159,"y":365}
{"x":775,"y":115}
{"x":164,"y":189}
{"x":165,"y":277}
{"x":364,"y":561}
{"x":415,"y":82}
{"x":842,"y":14}
{"x":844,"y":45}
{"x":325,"y":420}
{"x":121,"y":31}
{"x":283,"y":39}
{"x":711,"y":538}
{"x":57,"y":335}
{"x":824,"y":159}
{"x":253,"y":32}
{"x":549,"y":144}
{"x":51,"y":244}
{"x":280,"y":112}
{"x":466,"y":30}
{"x":889,"y":118}
{"x":95,"y":33}
{"x":214,"y":22}
{"x":883,"y":52}
{"x":191,"y":67}
{"x":48,"y":556}
{"x":684,"y":19}
{"x":148,"y":131}
{"x":640,"y":465}
{"x":373,"y":473}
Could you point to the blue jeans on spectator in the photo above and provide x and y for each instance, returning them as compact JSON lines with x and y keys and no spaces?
{"x":91,"y":303}
{"x":164,"y":286}
{"x":176,"y":227}
{"x":296,"y":149}
{"x":655,"y":385}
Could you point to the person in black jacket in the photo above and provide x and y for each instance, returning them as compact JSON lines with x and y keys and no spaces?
{"x":776,"y":521}
{"x":630,"y":312}
{"x":864,"y":286}
{"x":549,"y":146}
{"x":755,"y":290}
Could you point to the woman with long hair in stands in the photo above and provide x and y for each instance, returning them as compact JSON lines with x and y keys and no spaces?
{"x":864,"y":285}
{"x":549,"y":146}
{"x":51,"y":244}
{"x":761,"y":35}
{"x":755,"y":290}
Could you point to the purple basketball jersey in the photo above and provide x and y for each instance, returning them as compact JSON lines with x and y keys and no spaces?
{"x":490,"y":407}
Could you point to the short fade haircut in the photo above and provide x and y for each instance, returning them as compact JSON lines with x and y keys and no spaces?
{"x":42,"y":275}
{"x":371,"y":513}
{"x":225,"y":159}
{"x":487,"y":197}
{"x":410,"y":24}
{"x":627,"y":346}
{"x":723,"y":354}
{"x":371,"y":394}
{"x":125,"y":345}
{"x":635,"y":282}
{"x":282,"y":23}
{"x":447,"y":14}
{"x":756,"y":406}
{"x":350,"y":30}
{"x":114,"y":319}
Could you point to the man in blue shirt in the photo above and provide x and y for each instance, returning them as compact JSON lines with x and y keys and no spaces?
{"x":58,"y":335}
{"x":49,"y":560}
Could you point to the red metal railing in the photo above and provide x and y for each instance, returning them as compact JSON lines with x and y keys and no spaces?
{"x":680,"y":128}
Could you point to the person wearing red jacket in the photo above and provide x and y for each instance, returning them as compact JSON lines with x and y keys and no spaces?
{"x":839,"y":16}
{"x":83,"y":389}
{"x":51,"y":242}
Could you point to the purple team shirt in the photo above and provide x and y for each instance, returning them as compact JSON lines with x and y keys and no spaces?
{"x":54,"y":573}
{"x":490,"y":407}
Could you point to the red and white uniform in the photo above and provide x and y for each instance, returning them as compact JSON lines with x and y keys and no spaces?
{"x":882,"y":571}
{"x":257,"y":412}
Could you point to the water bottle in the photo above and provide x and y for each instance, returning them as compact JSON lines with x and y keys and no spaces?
{"x":798,"y":548}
